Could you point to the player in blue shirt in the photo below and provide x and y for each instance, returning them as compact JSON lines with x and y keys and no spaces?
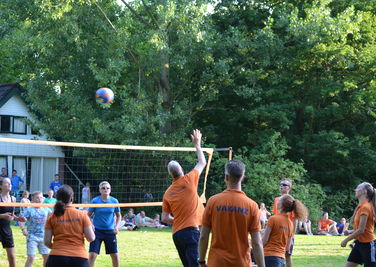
{"x":55,"y":184}
{"x":106,"y":228}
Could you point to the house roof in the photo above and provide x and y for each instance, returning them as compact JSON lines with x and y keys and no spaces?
{"x":8,"y":90}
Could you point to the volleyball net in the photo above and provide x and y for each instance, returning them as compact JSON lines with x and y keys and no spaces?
{"x":137,"y":174}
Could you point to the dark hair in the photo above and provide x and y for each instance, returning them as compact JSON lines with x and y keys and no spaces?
{"x":64,"y":195}
{"x":58,"y":175}
{"x":288,"y":204}
{"x":235,"y":170}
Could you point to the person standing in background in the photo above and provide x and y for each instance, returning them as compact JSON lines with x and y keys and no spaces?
{"x":55,"y":184}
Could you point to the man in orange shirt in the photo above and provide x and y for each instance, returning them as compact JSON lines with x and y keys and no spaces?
{"x":285,"y":187}
{"x":231,"y":216}
{"x":181,"y":200}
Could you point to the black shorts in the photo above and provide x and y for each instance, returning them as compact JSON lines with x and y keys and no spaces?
{"x":109,"y":239}
{"x":363,"y":253}
{"x":64,"y":261}
{"x":6,"y":236}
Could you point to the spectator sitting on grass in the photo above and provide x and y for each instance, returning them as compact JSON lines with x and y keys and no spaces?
{"x":157,"y":222}
{"x":305,"y":227}
{"x":342,"y":226}
{"x":143,"y":221}
{"x":326,"y":226}
{"x":129,"y":221}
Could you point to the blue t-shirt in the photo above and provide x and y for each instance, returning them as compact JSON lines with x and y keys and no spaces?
{"x":36,"y":219}
{"x":15,"y":181}
{"x":104,"y":217}
{"x":340,"y":227}
{"x":55,"y":186}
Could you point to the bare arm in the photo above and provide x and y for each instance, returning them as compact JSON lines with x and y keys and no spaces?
{"x":266,"y":235}
{"x":89,"y":233}
{"x":358,"y":232}
{"x":167,"y":218}
{"x":117,"y":222}
{"x":48,"y":238}
{"x":203,"y":244}
{"x":196,"y":140}
{"x":258,"y":251}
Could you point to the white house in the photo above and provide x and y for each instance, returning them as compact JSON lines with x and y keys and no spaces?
{"x":36,"y":164}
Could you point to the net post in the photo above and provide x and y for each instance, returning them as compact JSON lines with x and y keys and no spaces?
{"x":203,"y":197}
{"x":230,"y":153}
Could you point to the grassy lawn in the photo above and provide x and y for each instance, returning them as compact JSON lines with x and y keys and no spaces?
{"x":151,"y":247}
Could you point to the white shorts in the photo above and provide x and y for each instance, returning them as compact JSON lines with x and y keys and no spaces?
{"x":32,"y":242}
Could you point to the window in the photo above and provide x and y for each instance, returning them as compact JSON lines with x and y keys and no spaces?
{"x":12,"y":124}
{"x":5,"y":124}
{"x":19,"y":125}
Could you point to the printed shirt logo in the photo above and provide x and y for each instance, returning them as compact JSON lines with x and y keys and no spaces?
{"x":221,"y":208}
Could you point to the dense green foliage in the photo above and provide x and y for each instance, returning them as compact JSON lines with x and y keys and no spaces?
{"x":288,"y":84}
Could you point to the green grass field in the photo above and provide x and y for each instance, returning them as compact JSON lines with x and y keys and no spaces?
{"x":151,"y":247}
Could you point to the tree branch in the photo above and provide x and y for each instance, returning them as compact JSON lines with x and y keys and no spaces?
{"x":150,"y":14}
{"x":104,"y":14}
{"x":136,"y":15}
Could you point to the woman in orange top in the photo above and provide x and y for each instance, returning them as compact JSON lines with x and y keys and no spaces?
{"x":68,"y":226}
{"x":363,"y":252}
{"x":280,"y":229}
{"x":326,"y":226}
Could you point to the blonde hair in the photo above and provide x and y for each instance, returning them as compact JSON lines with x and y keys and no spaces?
{"x":103,"y":183}
{"x":34,"y":194}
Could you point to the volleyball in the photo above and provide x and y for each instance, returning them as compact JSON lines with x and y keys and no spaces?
{"x":104,"y":95}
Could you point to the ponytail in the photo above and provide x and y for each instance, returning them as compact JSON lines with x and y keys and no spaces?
{"x":370,"y":195}
{"x":300,"y":210}
{"x":64,"y":195}
{"x":59,"y":208}
{"x":289,"y":204}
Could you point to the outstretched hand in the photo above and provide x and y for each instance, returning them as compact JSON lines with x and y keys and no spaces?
{"x":196,"y":137}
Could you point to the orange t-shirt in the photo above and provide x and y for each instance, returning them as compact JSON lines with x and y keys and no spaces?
{"x":276,"y":212}
{"x":282,"y":229}
{"x":68,"y":233}
{"x":181,"y":199}
{"x":231,"y":215}
{"x":324,"y":224}
{"x":365,"y":208}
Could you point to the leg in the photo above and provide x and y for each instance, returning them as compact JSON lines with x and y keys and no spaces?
{"x":309,"y":227}
{"x":191,"y":251}
{"x":29,"y":261}
{"x":11,"y":257}
{"x":115,"y":259}
{"x":110,"y":243}
{"x":333,"y":229}
{"x":179,"y":244}
{"x":288,"y":260}
{"x":92,"y":258}
{"x":45,"y":257}
{"x":351,"y":264}
{"x":95,"y":247}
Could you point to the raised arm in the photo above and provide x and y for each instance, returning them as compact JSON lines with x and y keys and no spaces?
{"x":196,"y":140}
